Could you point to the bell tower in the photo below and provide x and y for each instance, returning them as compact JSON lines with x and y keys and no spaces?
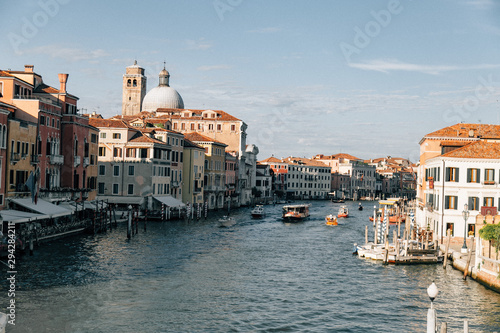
{"x":134,"y":89}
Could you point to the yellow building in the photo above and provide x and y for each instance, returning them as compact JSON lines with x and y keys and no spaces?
{"x":215,"y":175}
{"x":193,"y":166}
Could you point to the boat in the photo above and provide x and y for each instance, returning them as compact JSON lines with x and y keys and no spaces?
{"x":343,"y":211}
{"x":331,"y":220}
{"x":295,"y":212}
{"x":258,"y":212}
{"x":226,"y":222}
{"x":360,"y":207}
{"x":338,"y":200}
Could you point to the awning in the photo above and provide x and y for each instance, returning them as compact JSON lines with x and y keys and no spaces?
{"x":122,"y":200}
{"x":68,"y":206}
{"x":42,"y":207}
{"x":17,"y":216}
{"x":170,"y":201}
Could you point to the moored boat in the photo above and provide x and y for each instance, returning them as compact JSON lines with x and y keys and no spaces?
{"x":331,"y":220}
{"x":295,"y":212}
{"x":343,"y":211}
{"x":258,"y":212}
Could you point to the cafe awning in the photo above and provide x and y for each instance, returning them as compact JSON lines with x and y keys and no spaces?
{"x":17,"y":216}
{"x":42,"y":207}
{"x":169,"y":201}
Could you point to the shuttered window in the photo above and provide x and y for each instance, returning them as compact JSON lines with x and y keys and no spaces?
{"x":473,"y":175}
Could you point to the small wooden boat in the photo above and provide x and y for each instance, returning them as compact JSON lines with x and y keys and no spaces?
{"x":338,"y":200}
{"x":331,"y":220}
{"x":295,"y":212}
{"x":343,"y":211}
{"x":258,"y":212}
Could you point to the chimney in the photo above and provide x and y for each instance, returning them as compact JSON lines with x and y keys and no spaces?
{"x":29,"y":68}
{"x":63,"y":78}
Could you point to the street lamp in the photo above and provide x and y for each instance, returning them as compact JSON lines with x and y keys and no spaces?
{"x":432,"y":291}
{"x":465,"y":215}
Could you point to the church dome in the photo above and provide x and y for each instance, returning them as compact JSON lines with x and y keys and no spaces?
{"x":162,"y":96}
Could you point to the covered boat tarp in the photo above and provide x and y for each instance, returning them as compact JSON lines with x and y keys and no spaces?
{"x":42,"y":207}
{"x":170,"y":201}
{"x":115,"y":199}
{"x":17,"y":216}
{"x":68,"y":206}
{"x":387,"y":202}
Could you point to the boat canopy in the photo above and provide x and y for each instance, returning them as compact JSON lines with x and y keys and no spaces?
{"x":387,"y":202}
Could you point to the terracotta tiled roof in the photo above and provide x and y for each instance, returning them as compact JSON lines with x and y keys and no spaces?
{"x":271,"y":159}
{"x":145,"y":138}
{"x":336,"y":157}
{"x":221,"y":115}
{"x":454,"y":143}
{"x":478,"y":149}
{"x":111,"y":123}
{"x":194,"y":136}
{"x":305,"y":161}
{"x":190,"y":144}
{"x":4,"y":73}
{"x":43,"y":88}
{"x":467,"y":131}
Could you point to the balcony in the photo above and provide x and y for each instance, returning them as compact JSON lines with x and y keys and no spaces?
{"x":86,"y":162}
{"x":175,"y":184}
{"x":15,"y":157}
{"x":34,"y":159}
{"x":197,"y":190}
{"x":197,"y":175}
{"x":56,"y":159}
{"x":489,"y":182}
{"x":76,"y":161}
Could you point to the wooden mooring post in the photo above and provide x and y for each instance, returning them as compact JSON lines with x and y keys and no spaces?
{"x":447,"y":247}
{"x":466,"y":270}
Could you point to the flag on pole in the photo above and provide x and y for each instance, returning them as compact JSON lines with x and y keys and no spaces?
{"x":31,"y":185}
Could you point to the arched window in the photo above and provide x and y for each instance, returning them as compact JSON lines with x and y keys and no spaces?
{"x":135,"y":83}
{"x":48,"y":147}
{"x":129,"y":82}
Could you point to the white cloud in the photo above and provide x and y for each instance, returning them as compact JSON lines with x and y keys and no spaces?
{"x":386,"y":66}
{"x":68,"y":54}
{"x":213,"y":67}
{"x":200,"y":44}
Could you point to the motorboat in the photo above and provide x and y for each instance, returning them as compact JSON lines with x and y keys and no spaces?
{"x":331,"y":220}
{"x":258,"y":212}
{"x":295,"y":212}
{"x":343,"y":211}
{"x":226,"y":222}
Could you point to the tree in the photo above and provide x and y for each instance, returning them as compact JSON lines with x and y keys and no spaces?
{"x":491,"y":232}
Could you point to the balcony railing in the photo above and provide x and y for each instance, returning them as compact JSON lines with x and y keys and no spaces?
{"x":76,"y":161}
{"x":15,"y":157}
{"x":175,"y":184}
{"x":86,"y":161}
{"x":56,"y":159}
{"x":34,"y":159}
{"x":489,"y":182}
{"x":197,"y":190}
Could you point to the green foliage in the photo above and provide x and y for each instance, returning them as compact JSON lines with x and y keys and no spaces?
{"x":491,"y":232}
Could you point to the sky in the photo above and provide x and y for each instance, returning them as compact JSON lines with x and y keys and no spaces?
{"x":369,"y":78}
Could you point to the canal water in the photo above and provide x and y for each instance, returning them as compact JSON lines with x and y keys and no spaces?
{"x":255,"y":276}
